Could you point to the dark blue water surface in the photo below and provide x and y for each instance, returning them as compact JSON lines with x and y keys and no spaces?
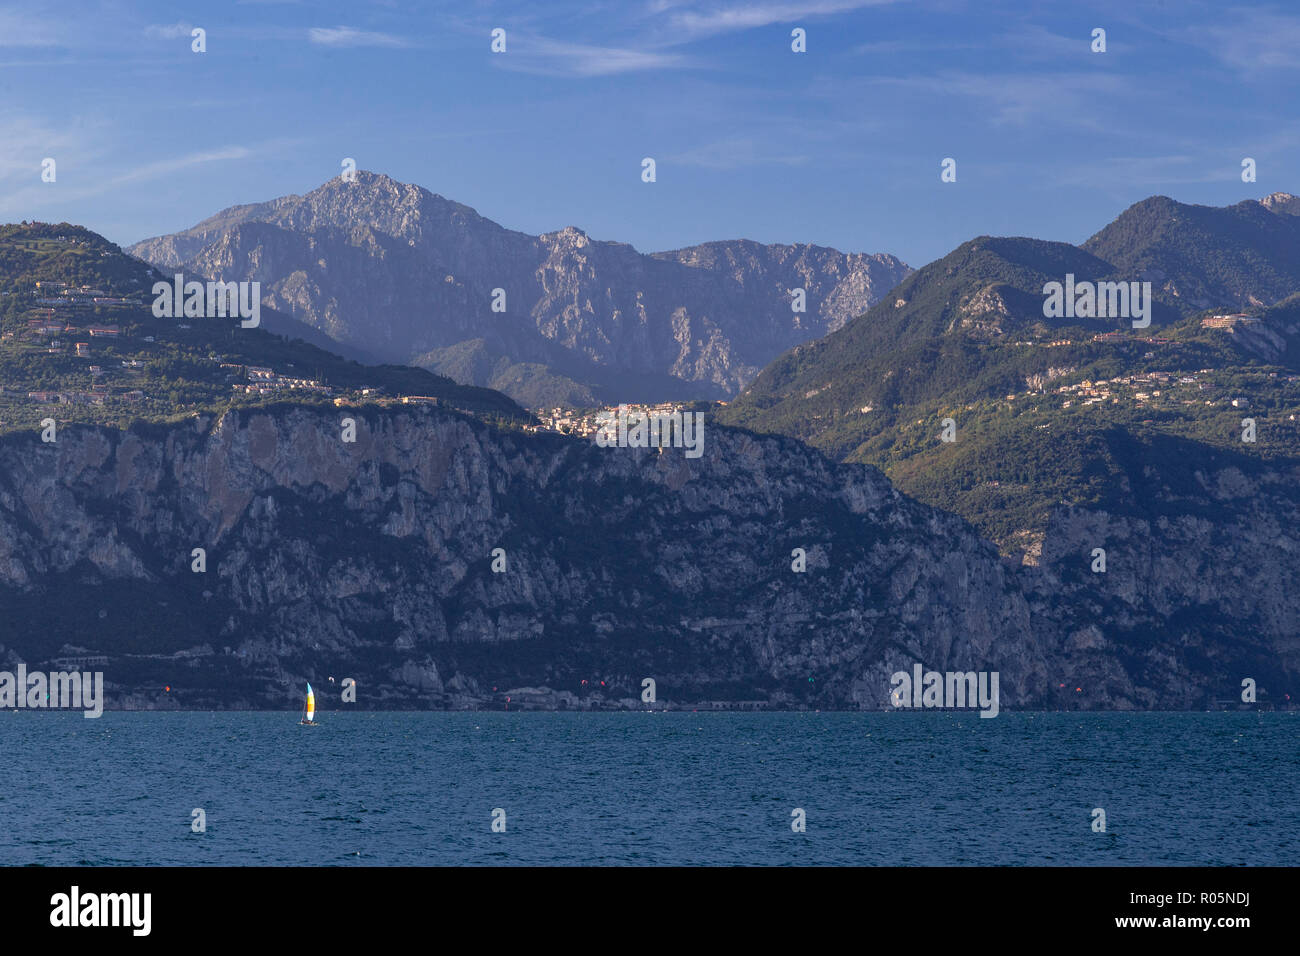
{"x":641,"y":788}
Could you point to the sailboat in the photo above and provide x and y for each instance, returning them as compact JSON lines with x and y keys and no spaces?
{"x":309,"y":710}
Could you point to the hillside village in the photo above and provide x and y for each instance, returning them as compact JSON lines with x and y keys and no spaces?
{"x":83,"y":347}
{"x":585,"y":422}
{"x":1155,"y":388}
{"x":81,"y":323}
{"x":1215,"y":387}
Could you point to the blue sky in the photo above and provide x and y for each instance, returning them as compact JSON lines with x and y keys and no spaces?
{"x":839,"y":146}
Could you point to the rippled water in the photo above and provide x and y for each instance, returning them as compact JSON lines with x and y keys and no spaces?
{"x":678,"y":788}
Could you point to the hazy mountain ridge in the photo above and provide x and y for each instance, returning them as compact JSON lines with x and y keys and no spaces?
{"x":1201,"y":257}
{"x":964,"y":339}
{"x":405,"y":274}
{"x":990,"y":288}
{"x":169,"y":365}
{"x":168,"y":252}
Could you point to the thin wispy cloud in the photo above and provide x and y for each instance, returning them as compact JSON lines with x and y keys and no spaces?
{"x":1249,"y":40}
{"x":1027,"y":43}
{"x":1036,"y":42}
{"x":27,"y":141}
{"x":1019,"y":99}
{"x":340,"y":37}
{"x":689,"y":25}
{"x":20,"y":27}
{"x":74,"y":187}
{"x":735,"y":153}
{"x":888,"y":47}
{"x":173,"y":31}
{"x":164,"y":166}
{"x":556,"y":58}
{"x":1148,"y":172}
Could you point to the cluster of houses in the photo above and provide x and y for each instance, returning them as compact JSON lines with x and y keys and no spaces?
{"x":1108,"y":337}
{"x":62,"y":294}
{"x":1145,"y":387}
{"x":97,"y":395}
{"x":1116,"y":337}
{"x":1148,"y":387}
{"x":375,"y":395}
{"x":265,"y":381}
{"x":1229,"y":322}
{"x":57,"y":327}
{"x":584,"y":423}
{"x":50,"y":325}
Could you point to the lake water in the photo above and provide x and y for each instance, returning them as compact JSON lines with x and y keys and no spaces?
{"x":638,"y":788}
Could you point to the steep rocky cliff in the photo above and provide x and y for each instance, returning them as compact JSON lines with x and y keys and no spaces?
{"x":373,"y":560}
{"x":408,"y":276}
{"x":1198,"y":579}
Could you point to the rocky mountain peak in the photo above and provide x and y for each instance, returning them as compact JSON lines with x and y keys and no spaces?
{"x":1282,"y":203}
{"x":569,"y":236}
{"x":408,"y":276}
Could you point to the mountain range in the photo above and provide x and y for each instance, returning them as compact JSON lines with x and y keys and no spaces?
{"x":1207,"y":257}
{"x":59,"y":281}
{"x":1049,"y":413}
{"x":392,"y":272}
{"x":1099,"y":529}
